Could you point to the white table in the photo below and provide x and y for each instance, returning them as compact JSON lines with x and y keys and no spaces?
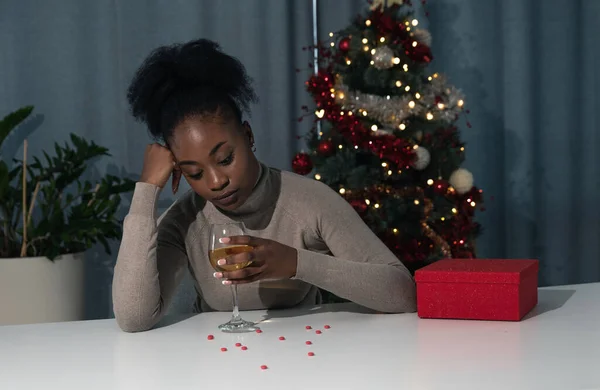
{"x":556,"y":347}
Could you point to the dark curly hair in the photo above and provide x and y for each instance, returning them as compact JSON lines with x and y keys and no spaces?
{"x":196,"y":78}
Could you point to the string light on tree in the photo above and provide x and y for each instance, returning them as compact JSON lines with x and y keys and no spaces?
{"x":374,"y":103}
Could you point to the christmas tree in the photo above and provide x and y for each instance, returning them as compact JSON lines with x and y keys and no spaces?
{"x":386,"y":136}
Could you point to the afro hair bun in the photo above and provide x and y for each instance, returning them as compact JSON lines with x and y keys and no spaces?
{"x":195,"y":78}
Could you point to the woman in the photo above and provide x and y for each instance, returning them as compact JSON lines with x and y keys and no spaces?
{"x":305,"y":236}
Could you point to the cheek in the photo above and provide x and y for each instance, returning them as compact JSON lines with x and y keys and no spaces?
{"x":238,"y":170}
{"x":198,"y":186}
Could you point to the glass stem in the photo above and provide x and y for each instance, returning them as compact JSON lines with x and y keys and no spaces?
{"x":235,"y":317}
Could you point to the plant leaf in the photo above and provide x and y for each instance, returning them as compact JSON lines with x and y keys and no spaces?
{"x":12,"y":120}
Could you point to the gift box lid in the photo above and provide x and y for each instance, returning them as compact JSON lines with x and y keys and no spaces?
{"x":506,"y":271}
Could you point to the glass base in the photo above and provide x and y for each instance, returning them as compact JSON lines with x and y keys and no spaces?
{"x":238,"y":326}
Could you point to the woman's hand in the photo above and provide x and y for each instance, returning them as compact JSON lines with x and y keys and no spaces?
{"x":270,"y":260}
{"x":159,"y":164}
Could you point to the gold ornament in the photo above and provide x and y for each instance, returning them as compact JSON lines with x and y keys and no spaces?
{"x":383,"y":3}
{"x":427,"y":230}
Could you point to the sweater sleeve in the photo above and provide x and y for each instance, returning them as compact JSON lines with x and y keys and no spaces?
{"x":150,"y":264}
{"x":362,"y":269}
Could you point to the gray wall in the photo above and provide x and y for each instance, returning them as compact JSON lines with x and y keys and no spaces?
{"x":528,"y":68}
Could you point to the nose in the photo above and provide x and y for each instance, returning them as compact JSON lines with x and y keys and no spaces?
{"x":217,"y":180}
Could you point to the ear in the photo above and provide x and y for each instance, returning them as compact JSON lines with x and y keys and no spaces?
{"x":248,"y":132}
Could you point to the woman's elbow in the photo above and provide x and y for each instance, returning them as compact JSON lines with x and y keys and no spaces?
{"x":130,"y":324}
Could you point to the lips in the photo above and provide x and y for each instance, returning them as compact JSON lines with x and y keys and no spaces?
{"x":227,"y":198}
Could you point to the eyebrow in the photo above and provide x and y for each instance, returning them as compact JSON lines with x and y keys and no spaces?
{"x":214,"y":150}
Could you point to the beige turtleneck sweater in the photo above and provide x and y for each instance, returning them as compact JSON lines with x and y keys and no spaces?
{"x":336,"y":252}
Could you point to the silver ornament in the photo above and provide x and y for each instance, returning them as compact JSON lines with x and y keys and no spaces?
{"x":383,"y":58}
{"x":461,"y":180}
{"x":423,"y":36}
{"x":423,"y":158}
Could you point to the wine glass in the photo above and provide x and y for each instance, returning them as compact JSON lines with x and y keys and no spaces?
{"x":217,"y":251}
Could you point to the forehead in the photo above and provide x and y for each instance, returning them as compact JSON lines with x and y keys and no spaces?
{"x":195,"y":137}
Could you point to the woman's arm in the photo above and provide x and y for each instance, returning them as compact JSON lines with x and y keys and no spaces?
{"x":150,"y":264}
{"x":362,"y":269}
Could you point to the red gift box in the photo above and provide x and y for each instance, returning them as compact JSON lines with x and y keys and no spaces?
{"x":477,"y":289}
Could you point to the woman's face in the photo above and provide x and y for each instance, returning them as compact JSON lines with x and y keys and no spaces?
{"x":215,"y":157}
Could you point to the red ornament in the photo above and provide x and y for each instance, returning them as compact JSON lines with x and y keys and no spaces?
{"x":344,"y":44}
{"x":325,"y":148}
{"x":359,"y":205}
{"x":302,"y":164}
{"x":440,"y":187}
{"x":421,"y":53}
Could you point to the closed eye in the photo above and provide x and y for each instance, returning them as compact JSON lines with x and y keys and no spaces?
{"x":227,"y":160}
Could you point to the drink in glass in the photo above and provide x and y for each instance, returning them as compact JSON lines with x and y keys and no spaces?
{"x":217,"y":251}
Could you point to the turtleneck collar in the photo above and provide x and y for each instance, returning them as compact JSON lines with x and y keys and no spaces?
{"x":263,"y":196}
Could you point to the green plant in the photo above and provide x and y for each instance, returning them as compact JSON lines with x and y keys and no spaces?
{"x":46,"y":208}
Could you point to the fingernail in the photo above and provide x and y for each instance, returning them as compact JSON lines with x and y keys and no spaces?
{"x":226,"y":282}
{"x":224,"y":240}
{"x":218,"y":275}
{"x":221,"y":262}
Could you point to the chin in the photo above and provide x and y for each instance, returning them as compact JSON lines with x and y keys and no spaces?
{"x":235,"y":203}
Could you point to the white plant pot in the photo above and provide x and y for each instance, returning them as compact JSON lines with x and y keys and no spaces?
{"x":35,"y":289}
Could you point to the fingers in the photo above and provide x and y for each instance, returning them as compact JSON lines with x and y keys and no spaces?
{"x":242,"y":240}
{"x":250,"y":279}
{"x":239,"y":258}
{"x":244,"y":275}
{"x":176,"y":179}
